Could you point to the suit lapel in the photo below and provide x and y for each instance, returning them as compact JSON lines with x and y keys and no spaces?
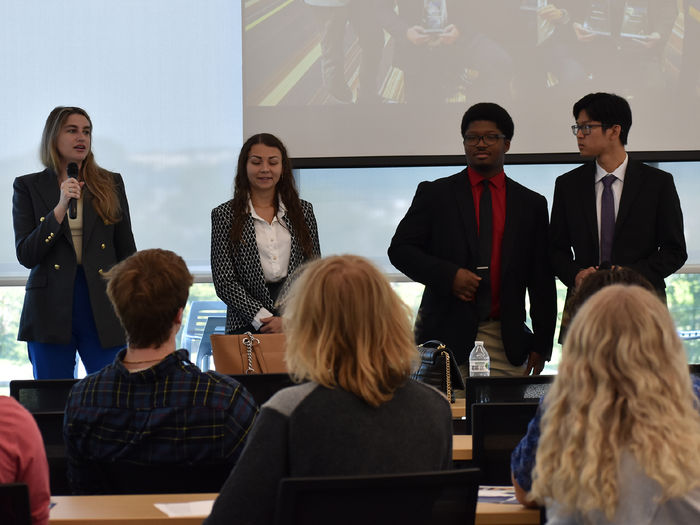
{"x":50,"y":193}
{"x":465,"y":203}
{"x":90,"y":217}
{"x":630,"y":189}
{"x":586,"y":190}
{"x":514,"y":210}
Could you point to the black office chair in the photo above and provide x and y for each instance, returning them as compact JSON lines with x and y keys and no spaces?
{"x":446,"y":497}
{"x":42,"y":395}
{"x":694,"y":369}
{"x":505,"y":389}
{"x":14,"y":504}
{"x":497,"y":428}
{"x":123,"y":477}
{"x":263,"y":386}
{"x":51,"y":427}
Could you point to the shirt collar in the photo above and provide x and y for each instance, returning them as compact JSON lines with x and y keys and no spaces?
{"x":281,"y":212}
{"x":619,"y":172}
{"x":160,"y":369}
{"x":498,"y":180}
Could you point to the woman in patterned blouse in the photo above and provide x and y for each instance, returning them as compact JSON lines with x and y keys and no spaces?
{"x":260,"y":237}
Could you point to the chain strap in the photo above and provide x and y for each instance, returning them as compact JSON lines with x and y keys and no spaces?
{"x":249,"y":340}
{"x":449,"y":375}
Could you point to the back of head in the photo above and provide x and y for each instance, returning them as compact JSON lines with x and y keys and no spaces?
{"x":147,"y":290}
{"x":346,"y":327}
{"x":623,"y":384}
{"x":607,"y":108}
{"x":597,"y":281}
{"x":492,"y":113}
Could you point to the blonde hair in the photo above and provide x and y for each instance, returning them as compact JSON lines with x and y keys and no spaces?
{"x":346,"y":327}
{"x":623,"y":384}
{"x":98,"y":181}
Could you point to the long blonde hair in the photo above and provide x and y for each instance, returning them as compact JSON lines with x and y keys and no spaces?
{"x":623,"y":384}
{"x":346,"y":327}
{"x":98,"y":181}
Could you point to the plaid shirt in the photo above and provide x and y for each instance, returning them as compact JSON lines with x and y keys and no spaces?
{"x":169,"y":413}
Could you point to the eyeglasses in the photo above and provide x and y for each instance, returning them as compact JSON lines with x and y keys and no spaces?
{"x":489,"y":139}
{"x":584,"y":128}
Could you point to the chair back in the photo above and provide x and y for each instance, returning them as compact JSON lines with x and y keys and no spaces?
{"x":497,"y":428}
{"x":51,"y":427}
{"x":446,"y":497}
{"x":694,"y":369}
{"x":197,"y":317}
{"x":42,"y":395}
{"x":214,"y":325}
{"x":505,"y":389}
{"x":14,"y":504}
{"x":122,"y":477}
{"x":263,"y":386}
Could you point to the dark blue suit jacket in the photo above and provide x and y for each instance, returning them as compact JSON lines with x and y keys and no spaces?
{"x":648,"y":228}
{"x":46,"y":248}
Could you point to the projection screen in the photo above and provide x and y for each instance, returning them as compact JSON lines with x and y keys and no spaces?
{"x":350,"y":78}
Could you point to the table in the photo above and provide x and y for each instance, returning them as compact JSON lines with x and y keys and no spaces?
{"x":459,"y":408}
{"x":132,"y":509}
{"x":503,"y":514}
{"x":139,"y":509}
{"x":461,"y":447}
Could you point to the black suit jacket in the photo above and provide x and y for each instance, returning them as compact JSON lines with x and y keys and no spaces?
{"x":648,"y":228}
{"x":438,"y":236}
{"x":46,"y":248}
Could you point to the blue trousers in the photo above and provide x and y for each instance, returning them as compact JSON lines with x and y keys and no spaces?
{"x":56,"y":361}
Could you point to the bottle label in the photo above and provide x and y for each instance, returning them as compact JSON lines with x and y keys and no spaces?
{"x":479,"y":367}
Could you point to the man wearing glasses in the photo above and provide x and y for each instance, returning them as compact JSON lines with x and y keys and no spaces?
{"x":477,"y":240}
{"x":613,"y":210}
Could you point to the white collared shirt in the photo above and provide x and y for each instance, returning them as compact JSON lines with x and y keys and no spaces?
{"x":616,"y":187}
{"x":274,"y":247}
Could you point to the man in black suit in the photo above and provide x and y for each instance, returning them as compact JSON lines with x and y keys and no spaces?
{"x":476,"y":289}
{"x":637,"y":223}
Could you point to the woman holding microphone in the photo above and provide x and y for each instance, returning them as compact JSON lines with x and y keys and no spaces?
{"x":66,"y":308}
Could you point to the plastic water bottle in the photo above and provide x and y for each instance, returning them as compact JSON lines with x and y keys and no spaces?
{"x":479,"y":361}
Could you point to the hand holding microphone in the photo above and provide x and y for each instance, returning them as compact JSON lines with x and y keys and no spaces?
{"x":73,"y":203}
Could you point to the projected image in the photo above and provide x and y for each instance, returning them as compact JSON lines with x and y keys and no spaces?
{"x":427,"y":51}
{"x":534,"y":57}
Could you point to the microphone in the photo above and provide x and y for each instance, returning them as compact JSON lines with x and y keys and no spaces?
{"x":73,"y":203}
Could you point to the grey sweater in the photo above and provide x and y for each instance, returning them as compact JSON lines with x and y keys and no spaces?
{"x":309,"y":430}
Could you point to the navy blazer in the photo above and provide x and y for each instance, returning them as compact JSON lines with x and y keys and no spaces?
{"x":46,"y":248}
{"x":238,"y":279}
{"x":648,"y":228}
{"x":438,"y":236}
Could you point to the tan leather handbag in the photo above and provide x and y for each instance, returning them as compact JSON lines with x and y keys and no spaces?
{"x":248,"y":353}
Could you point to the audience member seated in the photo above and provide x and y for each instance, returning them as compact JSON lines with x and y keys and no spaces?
{"x":152,"y":405}
{"x":350,"y":336}
{"x":23,"y":458}
{"x":523,"y":457}
{"x":620,"y":428}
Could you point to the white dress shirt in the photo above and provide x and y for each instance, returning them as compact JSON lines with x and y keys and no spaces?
{"x":274,"y":246}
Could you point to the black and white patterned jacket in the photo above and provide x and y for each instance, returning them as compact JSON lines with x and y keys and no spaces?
{"x":239,"y":279}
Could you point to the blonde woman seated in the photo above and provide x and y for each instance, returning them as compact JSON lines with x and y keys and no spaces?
{"x":620,"y":439}
{"x":350,"y":336}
